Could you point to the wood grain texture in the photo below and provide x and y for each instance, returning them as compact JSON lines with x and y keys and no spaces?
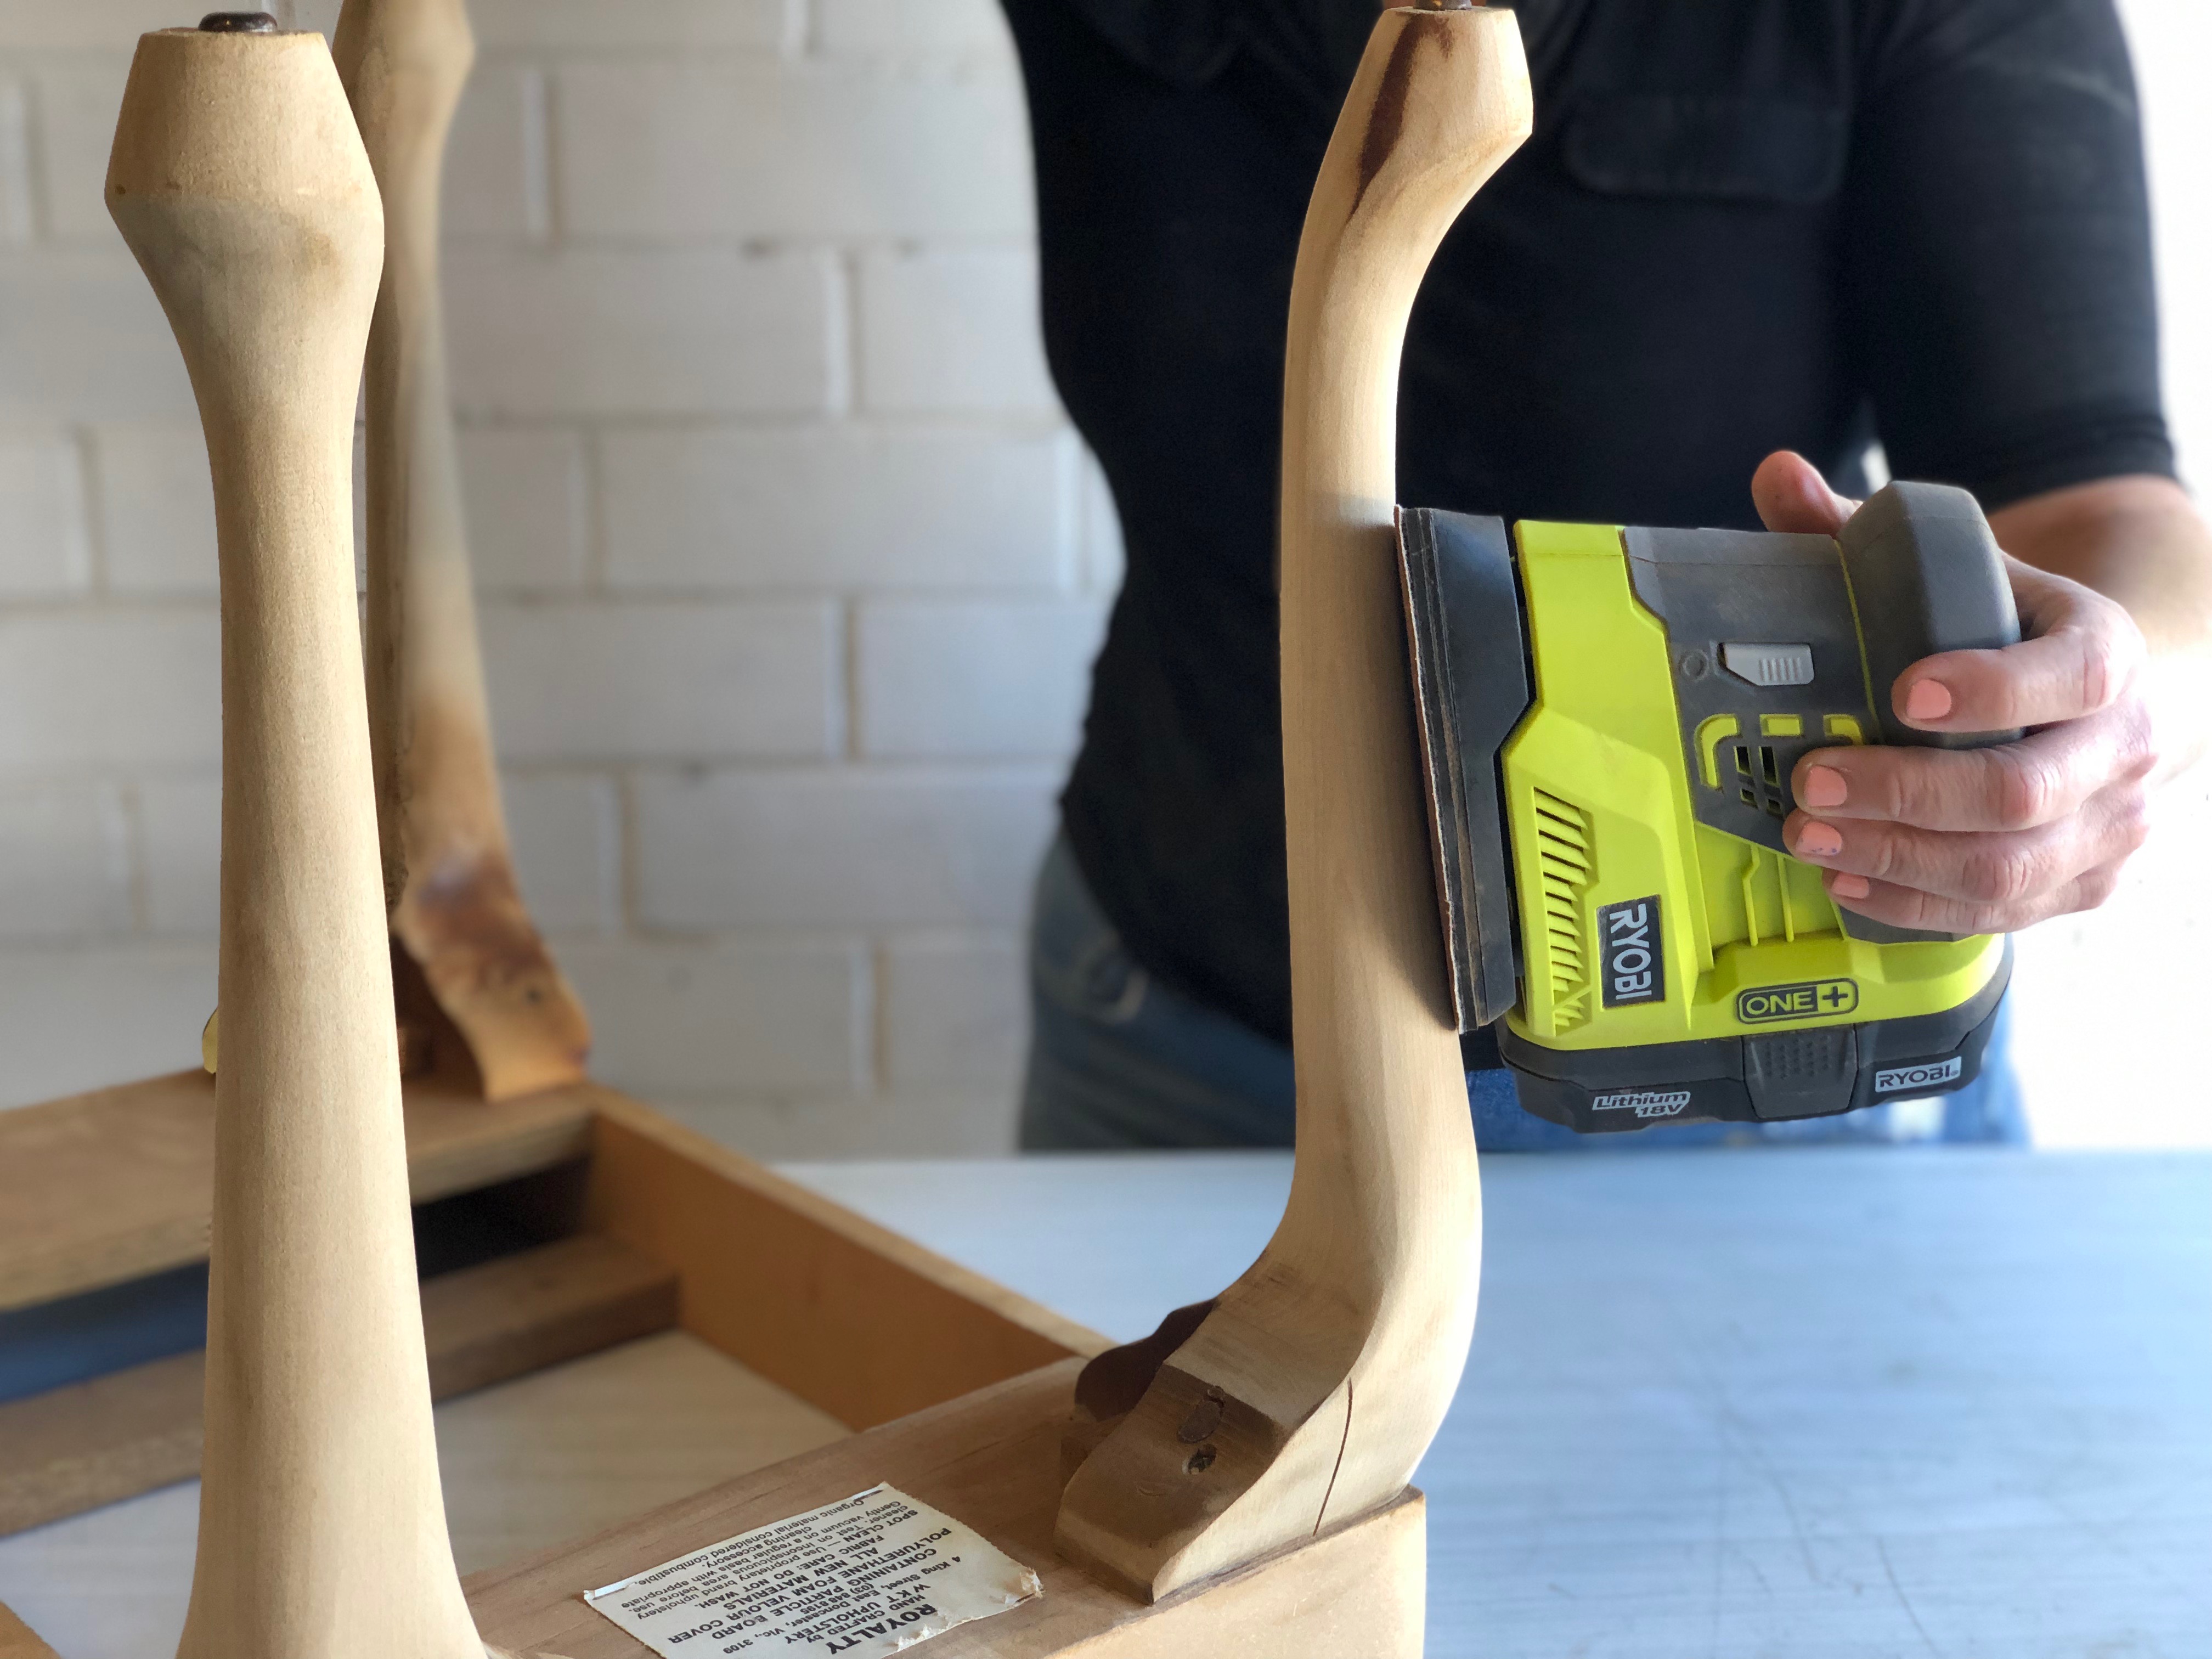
{"x":449,"y":870}
{"x":1311,"y":1391}
{"x":95,"y":1442}
{"x":566,"y":1452}
{"x":536,"y":1308}
{"x":239,"y":183}
{"x":991,"y":1460}
{"x":76,"y":1447}
{"x":845,"y":1314}
{"x":102,"y":1188}
{"x":19,"y":1641}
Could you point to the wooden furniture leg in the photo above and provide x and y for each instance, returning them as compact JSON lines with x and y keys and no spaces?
{"x":449,"y":873}
{"x":19,"y":1641}
{"x":1309,"y":1393}
{"x":239,"y":181}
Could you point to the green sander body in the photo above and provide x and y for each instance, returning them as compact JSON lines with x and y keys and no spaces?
{"x":1608,"y":720}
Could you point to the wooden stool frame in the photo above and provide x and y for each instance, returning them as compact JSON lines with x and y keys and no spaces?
{"x":1315,"y":1381}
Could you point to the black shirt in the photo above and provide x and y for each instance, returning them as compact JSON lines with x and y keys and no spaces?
{"x":1740,"y":226}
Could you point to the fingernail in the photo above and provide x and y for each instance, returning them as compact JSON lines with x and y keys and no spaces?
{"x":1824,"y":786}
{"x":1850,"y":887}
{"x":1928,"y":700}
{"x":1818,"y":841}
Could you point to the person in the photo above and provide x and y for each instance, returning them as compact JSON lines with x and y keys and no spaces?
{"x":1747,"y":241}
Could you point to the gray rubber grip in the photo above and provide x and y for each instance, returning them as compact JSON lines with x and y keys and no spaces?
{"x":1926,"y":576}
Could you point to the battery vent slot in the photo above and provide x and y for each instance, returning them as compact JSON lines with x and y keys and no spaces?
{"x":1565,"y":869}
{"x":1758,"y":781}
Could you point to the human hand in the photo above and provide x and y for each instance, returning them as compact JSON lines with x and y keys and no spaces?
{"x":1982,"y":840}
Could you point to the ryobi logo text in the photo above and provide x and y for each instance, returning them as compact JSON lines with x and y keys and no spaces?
{"x":1815,"y":998}
{"x":1645,"y":1103}
{"x":1635,"y":957}
{"x":1902,"y":1080}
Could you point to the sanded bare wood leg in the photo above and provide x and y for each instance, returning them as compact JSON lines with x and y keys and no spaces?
{"x":449,"y":872}
{"x":1309,"y":1392}
{"x":240,"y":181}
{"x":19,"y":1641}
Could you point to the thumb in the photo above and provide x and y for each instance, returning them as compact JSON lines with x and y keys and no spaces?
{"x":1792,"y":496}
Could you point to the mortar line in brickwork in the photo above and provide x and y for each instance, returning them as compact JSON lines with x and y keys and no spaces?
{"x":873,"y":1017}
{"x":849,"y":676}
{"x":18,"y":226}
{"x":36,"y":173}
{"x":541,"y":161}
{"x":137,"y":880}
{"x":628,"y":878}
{"x":841,"y":321}
{"x":763,"y":245}
{"x":91,"y":519}
{"x":538,"y":197}
{"x":592,"y":509}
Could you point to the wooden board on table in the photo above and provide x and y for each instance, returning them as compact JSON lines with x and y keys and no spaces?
{"x":848,"y":1316}
{"x":102,"y":1188}
{"x":992,"y":1459}
{"x":77,"y":1448}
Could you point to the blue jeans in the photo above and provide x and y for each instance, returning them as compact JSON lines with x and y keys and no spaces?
{"x":1118,"y":1060}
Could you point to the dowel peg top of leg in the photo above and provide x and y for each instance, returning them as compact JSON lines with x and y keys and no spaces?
{"x":239,"y":180}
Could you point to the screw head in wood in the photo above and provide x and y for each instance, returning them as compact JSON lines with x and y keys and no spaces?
{"x":238,"y":22}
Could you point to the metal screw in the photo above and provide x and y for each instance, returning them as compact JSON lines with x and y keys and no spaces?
{"x":1204,"y":1418}
{"x":238,"y":22}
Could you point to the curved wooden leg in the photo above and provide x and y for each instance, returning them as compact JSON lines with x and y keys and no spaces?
{"x":1311,"y":1392}
{"x":449,"y":872}
{"x":239,"y":181}
{"x":19,"y":1641}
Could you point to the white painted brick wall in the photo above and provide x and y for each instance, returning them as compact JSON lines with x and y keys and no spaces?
{"x":65,"y":862}
{"x":155,"y":507}
{"x":964,"y":27}
{"x":954,"y":1015}
{"x":852,"y":848}
{"x":792,"y":569}
{"x":973,"y":678}
{"x":701,"y":151}
{"x":44,"y":549}
{"x":527,"y":496}
{"x":736,"y":509}
{"x":760,"y":460}
{"x":639,"y":334}
{"x":667,"y":682}
{"x":98,"y":688}
{"x":933,"y":324}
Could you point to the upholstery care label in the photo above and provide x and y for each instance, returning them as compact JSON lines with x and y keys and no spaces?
{"x":873,"y":1574}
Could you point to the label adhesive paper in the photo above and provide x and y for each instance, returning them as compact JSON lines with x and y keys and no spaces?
{"x":874,"y":1573}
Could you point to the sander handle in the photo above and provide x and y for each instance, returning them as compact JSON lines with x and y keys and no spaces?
{"x":1926,"y":576}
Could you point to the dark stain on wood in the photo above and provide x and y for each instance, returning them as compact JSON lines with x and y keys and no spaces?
{"x":1388,"y":124}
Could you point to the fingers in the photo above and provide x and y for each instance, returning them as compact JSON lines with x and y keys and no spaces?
{"x":2039,"y":780}
{"x":1792,"y":496}
{"x":2009,"y":875}
{"x":1906,"y":907}
{"x":2083,"y":653}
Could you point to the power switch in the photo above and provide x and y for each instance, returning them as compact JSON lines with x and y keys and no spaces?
{"x":1768,"y":664}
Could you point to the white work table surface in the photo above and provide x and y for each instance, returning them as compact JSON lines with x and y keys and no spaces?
{"x":1824,"y":1404}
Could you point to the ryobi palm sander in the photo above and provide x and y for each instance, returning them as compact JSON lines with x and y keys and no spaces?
{"x":1609,"y":721}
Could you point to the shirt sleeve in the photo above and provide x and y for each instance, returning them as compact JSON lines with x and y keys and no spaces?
{"x":1996,"y":251}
